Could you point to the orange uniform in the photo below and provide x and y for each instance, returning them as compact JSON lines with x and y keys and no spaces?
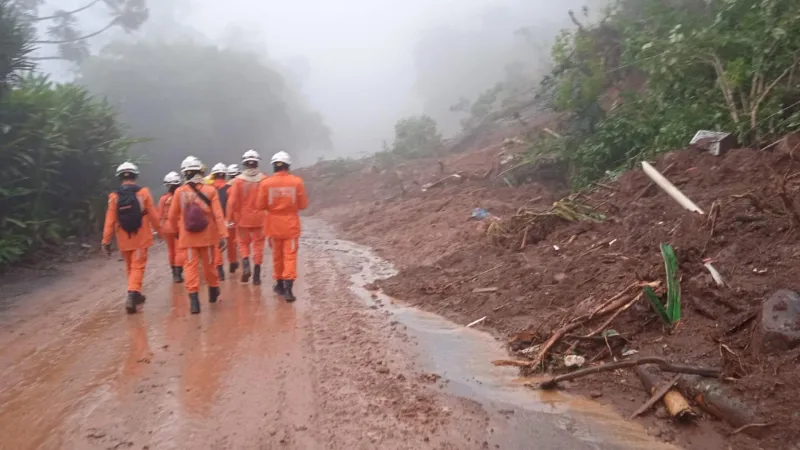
{"x":283,"y":195}
{"x":199,"y":246}
{"x":134,"y":246}
{"x":233,"y":255}
{"x":242,"y":210}
{"x":168,"y":232}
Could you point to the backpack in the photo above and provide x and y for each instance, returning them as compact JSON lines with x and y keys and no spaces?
{"x":129,"y":210}
{"x":194,"y":218}
{"x":223,"y":197}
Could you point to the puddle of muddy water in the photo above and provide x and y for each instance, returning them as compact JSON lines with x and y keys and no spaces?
{"x":519,"y":417}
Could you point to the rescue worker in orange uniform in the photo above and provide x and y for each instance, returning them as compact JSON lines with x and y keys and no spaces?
{"x":282,"y":196}
{"x":172,"y":181}
{"x":233,"y":244}
{"x":197,"y":215}
{"x":246,"y":217}
{"x":128,"y":207}
{"x":219,"y":175}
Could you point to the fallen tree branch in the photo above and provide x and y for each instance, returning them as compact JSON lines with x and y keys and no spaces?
{"x":614,"y":316}
{"x":662,"y":391}
{"x":662,"y":364}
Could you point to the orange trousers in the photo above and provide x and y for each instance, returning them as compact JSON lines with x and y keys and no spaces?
{"x":284,"y":258}
{"x":194,"y":257}
{"x":176,"y":255}
{"x":135,"y":261}
{"x":246,"y":236}
{"x":233,"y":250}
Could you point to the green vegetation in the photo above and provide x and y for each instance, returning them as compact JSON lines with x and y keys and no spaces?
{"x":58,"y":150}
{"x":670,"y":314}
{"x":415,"y":136}
{"x":653,"y":72}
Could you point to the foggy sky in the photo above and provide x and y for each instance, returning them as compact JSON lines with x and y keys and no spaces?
{"x":355,"y":58}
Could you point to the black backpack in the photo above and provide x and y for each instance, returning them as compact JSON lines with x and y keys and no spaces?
{"x":223,"y":196}
{"x":129,"y":211}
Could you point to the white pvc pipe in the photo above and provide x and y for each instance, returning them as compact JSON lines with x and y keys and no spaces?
{"x":669,"y":188}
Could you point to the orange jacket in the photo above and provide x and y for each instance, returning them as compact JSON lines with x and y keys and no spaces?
{"x":163,"y":211}
{"x":142,"y":238}
{"x":242,"y":208}
{"x":216,"y":222}
{"x":282,"y":196}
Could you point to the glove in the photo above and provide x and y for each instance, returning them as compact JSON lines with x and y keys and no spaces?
{"x":107,"y":249}
{"x":223,"y":244}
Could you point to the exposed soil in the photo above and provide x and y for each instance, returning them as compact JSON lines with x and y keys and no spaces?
{"x":547,"y":271}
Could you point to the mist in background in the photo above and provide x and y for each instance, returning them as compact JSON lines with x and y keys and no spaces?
{"x":332,"y":78}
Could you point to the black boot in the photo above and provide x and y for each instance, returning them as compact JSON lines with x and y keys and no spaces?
{"x":130,"y":303}
{"x":179,"y":269}
{"x":287,"y":289}
{"x":257,"y":274}
{"x":194,"y":302}
{"x":233,"y":266}
{"x":278,"y":288}
{"x":213,"y":294}
{"x":245,"y":270}
{"x":176,"y":274}
{"x":221,"y":272}
{"x":139,"y":297}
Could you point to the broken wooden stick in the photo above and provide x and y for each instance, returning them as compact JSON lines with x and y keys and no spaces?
{"x":614,"y":316}
{"x":669,"y":188}
{"x":655,"y":397}
{"x":464,"y":280}
{"x":719,"y":401}
{"x":662,"y":364}
{"x":676,"y":404}
{"x":650,"y":185}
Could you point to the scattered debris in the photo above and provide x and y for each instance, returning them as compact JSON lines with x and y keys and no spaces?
{"x":716,"y":142}
{"x":669,"y":188}
{"x":472,"y":324}
{"x":779,"y":329}
{"x":714,"y":398}
{"x":656,"y":395}
{"x":574,"y":361}
{"x":486,"y":290}
{"x":715,"y":275}
{"x":662,"y":364}
{"x":630,"y":352}
{"x":676,"y":404}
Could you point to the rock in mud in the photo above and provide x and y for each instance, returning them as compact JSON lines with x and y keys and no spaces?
{"x":779,"y":329}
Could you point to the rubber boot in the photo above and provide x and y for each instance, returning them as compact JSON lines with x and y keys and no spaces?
{"x":213,"y":294}
{"x":176,"y":274}
{"x":221,"y":272}
{"x":130,"y":303}
{"x":233,"y":266}
{"x":245,"y":270}
{"x":257,"y":274}
{"x":287,"y":288}
{"x":139,"y":297}
{"x":194,"y":302}
{"x":278,"y":288}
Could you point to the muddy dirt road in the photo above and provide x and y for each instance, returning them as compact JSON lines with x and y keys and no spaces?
{"x":339,"y":369}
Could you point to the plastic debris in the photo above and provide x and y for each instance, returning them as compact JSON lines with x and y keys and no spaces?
{"x":480,"y":214}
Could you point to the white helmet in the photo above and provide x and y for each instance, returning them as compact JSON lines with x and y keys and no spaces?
{"x":219,"y":168}
{"x":127,"y":167}
{"x":190,"y":164}
{"x":281,"y":157}
{"x":251,"y":155}
{"x":233,"y":170}
{"x":172,"y":178}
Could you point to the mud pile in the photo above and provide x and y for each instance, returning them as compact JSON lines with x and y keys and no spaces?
{"x":528,"y":284}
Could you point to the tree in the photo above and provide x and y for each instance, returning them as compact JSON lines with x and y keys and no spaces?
{"x":416,"y":136}
{"x":63,"y":26}
{"x":197,"y":99}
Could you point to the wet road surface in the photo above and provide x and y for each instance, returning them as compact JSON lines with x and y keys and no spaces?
{"x":341,"y":368}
